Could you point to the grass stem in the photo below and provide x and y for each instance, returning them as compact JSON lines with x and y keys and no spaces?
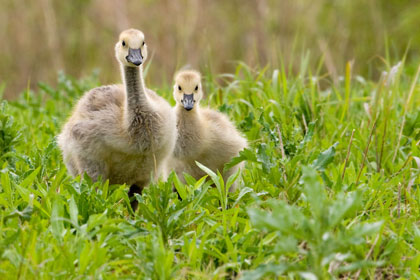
{"x":407,"y":104}
{"x":304,"y":123}
{"x":382,"y":145}
{"x":283,"y":155}
{"x":348,"y":154}
{"x":356,"y":276}
{"x":366,"y":151}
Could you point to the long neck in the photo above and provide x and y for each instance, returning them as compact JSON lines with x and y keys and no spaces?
{"x":134,"y":86}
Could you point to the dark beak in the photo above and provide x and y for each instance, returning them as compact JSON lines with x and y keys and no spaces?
{"x":134,"y":56}
{"x":188,"y":101}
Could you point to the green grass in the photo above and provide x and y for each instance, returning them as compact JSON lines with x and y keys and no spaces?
{"x":310,"y":204}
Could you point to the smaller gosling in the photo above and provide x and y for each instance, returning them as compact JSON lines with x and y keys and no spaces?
{"x":204,"y":135}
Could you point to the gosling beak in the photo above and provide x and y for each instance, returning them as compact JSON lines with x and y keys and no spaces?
{"x":188,"y":101}
{"x":134,"y":56}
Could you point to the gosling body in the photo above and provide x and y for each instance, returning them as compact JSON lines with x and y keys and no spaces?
{"x":124,"y":133}
{"x":204,"y":135}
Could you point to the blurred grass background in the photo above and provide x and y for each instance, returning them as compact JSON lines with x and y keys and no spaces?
{"x":41,"y":37}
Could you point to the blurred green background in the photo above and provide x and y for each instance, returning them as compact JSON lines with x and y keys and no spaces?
{"x":41,"y":37}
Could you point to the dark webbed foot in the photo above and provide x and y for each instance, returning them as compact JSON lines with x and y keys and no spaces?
{"x":131,"y":194}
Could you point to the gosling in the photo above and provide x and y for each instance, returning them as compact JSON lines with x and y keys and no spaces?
{"x":204,"y":135}
{"x":124,"y":133}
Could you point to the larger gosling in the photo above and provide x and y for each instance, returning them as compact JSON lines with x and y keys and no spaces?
{"x":204,"y":135}
{"x":124,"y":133}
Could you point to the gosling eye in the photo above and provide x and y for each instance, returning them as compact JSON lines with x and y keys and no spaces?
{"x":179,"y":87}
{"x":123,"y":43}
{"x":144,"y":43}
{"x":196,"y":88}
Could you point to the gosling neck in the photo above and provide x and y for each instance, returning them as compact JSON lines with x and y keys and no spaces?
{"x":134,"y":86}
{"x":182,"y":113}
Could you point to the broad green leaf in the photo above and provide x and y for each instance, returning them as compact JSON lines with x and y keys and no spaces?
{"x":96,"y":220}
{"x":30,"y":179}
{"x":242,"y":193}
{"x":5,"y":185}
{"x":264,"y":158}
{"x":244,"y":155}
{"x":343,"y":206}
{"x":325,"y":158}
{"x":209,"y":172}
{"x":232,"y":179}
{"x":313,"y":190}
{"x":74,"y":212}
{"x":179,"y":186}
{"x":364,"y":229}
{"x":104,"y":190}
{"x":57,"y":226}
{"x":308,"y":136}
{"x":263,"y":271}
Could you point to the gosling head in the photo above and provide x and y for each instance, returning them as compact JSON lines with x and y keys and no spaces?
{"x":131,"y":50}
{"x":187,"y":89}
